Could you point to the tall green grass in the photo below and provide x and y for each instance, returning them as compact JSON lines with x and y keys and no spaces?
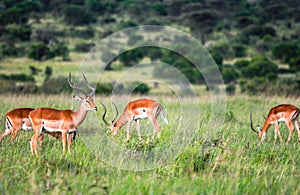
{"x":229,"y":161}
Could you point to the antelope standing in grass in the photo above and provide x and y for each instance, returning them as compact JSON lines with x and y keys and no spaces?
{"x":63,"y":121}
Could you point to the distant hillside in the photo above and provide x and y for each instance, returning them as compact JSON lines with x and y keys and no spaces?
{"x":232,"y":29}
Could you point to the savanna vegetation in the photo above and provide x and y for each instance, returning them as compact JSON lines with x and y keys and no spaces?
{"x":254,"y":43}
{"x":226,"y":159}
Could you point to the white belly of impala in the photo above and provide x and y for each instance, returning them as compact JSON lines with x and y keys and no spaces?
{"x":52,"y":126}
{"x":141,"y":116}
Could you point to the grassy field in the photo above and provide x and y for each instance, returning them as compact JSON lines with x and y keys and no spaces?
{"x":226,"y":159}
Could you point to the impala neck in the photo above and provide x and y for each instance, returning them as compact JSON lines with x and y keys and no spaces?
{"x":80,"y":115}
{"x":121,"y":121}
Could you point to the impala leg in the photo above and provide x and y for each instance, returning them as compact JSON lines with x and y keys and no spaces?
{"x":41,"y":139}
{"x":290,"y":126}
{"x":138,"y":128}
{"x":14,"y":133}
{"x":64,"y":140}
{"x":278,"y":131}
{"x":128,"y":129}
{"x":156,"y":127}
{"x":33,"y":142}
{"x":5,"y":133}
{"x":70,"y":137}
{"x":298,"y":130}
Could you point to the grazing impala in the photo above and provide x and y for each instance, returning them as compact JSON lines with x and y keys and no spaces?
{"x":15,"y":120}
{"x":63,"y":121}
{"x":134,"y":111}
{"x":284,"y":112}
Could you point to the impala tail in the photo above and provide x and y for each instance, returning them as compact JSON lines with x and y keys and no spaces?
{"x":164,"y":116}
{"x":160,"y":109}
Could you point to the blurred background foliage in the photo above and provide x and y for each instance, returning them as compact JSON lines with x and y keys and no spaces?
{"x":255,"y":43}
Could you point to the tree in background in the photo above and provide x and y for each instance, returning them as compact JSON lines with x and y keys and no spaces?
{"x":202,"y":22}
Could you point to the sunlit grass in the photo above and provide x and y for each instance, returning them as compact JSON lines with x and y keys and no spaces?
{"x":229,"y":162}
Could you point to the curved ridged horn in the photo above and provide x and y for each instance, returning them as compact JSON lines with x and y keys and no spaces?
{"x":72,"y":86}
{"x":117,"y":112}
{"x":89,"y":86}
{"x":252,"y":125}
{"x":104,"y":114}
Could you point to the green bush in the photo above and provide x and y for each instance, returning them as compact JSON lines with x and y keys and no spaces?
{"x":230,"y":89}
{"x":286,"y":51}
{"x":104,"y":88}
{"x":240,"y":64}
{"x":77,"y":15}
{"x":40,"y":52}
{"x":141,"y":88}
{"x":17,"y":77}
{"x":56,"y":86}
{"x":260,"y":67}
{"x":294,"y":64}
{"x":62,"y":50}
{"x":84,"y":47}
{"x":239,"y":50}
{"x":161,"y":9}
{"x":281,"y":87}
{"x":20,"y":33}
{"x":230,"y":75}
{"x":18,"y":12}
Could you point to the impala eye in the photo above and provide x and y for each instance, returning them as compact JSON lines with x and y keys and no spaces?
{"x":87,"y":101}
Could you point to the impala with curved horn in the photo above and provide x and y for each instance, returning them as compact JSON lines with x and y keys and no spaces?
{"x":134,"y":111}
{"x":63,"y":121}
{"x":15,"y":120}
{"x":284,"y":112}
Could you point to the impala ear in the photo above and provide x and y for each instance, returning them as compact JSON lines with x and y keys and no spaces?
{"x":77,"y":98}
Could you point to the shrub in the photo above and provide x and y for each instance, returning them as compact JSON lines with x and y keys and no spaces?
{"x":87,"y":33}
{"x":260,"y":67}
{"x":282,"y":87}
{"x":140,"y":88}
{"x":78,"y":15}
{"x":50,"y":86}
{"x":286,"y":51}
{"x":240,"y":64}
{"x":294,"y":64}
{"x":239,"y":50}
{"x":40,"y":52}
{"x":62,"y":50}
{"x":20,"y":33}
{"x":230,"y":89}
{"x":104,"y":88}
{"x":230,"y":75}
{"x":84,"y":47}
{"x":160,"y":8}
{"x":17,"y":77}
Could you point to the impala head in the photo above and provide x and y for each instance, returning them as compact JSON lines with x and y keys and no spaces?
{"x":113,"y":127}
{"x":258,"y":132}
{"x":87,"y":100}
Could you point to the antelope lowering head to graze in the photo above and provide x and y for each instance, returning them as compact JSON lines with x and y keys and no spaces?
{"x":15,"y":120}
{"x":284,"y":112}
{"x":63,"y":121}
{"x":134,"y":111}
